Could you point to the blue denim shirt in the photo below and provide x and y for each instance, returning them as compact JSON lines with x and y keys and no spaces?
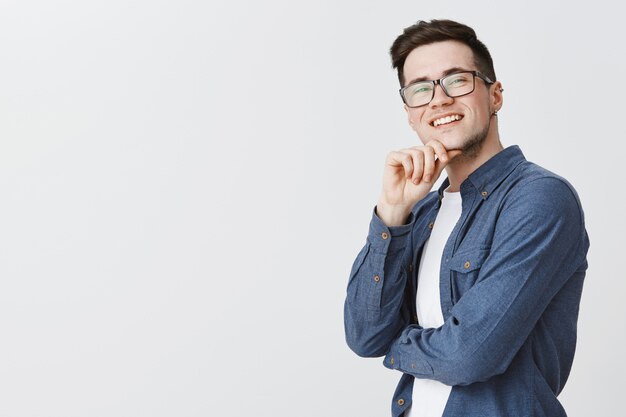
{"x":511,"y":279}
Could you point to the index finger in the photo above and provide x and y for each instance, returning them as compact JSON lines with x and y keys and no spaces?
{"x":439,"y":149}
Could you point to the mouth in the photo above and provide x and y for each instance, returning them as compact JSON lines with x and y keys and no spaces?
{"x":446,"y":120}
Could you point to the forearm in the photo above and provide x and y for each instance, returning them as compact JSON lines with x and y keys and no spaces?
{"x":537,"y":251}
{"x":373,"y":311}
{"x":474,"y":345}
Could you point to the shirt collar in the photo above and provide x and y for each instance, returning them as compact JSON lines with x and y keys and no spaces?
{"x":489,"y":175}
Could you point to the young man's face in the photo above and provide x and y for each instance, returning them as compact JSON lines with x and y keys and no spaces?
{"x":433,"y":61}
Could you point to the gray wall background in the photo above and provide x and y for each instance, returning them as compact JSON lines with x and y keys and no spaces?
{"x":184,"y":186}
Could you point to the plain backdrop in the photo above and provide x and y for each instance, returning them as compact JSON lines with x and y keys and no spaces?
{"x":184,"y":186}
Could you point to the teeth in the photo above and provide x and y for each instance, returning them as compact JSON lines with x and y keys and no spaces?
{"x":447,"y":119}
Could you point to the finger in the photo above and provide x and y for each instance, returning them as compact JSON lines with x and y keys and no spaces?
{"x":394,"y":158}
{"x":441,"y":164}
{"x":429,"y":163}
{"x":439,"y":149}
{"x":407,"y":163}
{"x":418,"y":165}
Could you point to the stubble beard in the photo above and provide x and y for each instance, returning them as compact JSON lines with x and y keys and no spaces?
{"x":473,"y":144}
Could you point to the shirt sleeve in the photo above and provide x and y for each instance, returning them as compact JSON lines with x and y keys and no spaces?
{"x":373,"y":315}
{"x":539,"y":243}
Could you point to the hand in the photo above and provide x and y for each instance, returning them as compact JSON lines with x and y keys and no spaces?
{"x":408,"y":177}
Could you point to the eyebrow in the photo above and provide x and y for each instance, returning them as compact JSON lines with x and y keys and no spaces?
{"x":445,"y":73}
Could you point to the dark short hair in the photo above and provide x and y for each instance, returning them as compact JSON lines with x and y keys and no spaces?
{"x":425,"y":33}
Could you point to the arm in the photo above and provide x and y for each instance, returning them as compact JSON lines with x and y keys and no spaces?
{"x":539,"y":242}
{"x":373,"y":306}
{"x":374,"y":312}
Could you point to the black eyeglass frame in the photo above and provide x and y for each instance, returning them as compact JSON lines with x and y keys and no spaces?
{"x":475,"y":74}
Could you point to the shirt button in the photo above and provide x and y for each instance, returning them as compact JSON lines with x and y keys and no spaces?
{"x":411,"y":268}
{"x":384,"y":235}
{"x":376,"y":278}
{"x":484,"y":193}
{"x":467,"y":264}
{"x":391,"y":361}
{"x":430,"y":225}
{"x":400,"y":402}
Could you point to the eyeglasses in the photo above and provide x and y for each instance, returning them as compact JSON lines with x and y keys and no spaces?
{"x":458,"y":84}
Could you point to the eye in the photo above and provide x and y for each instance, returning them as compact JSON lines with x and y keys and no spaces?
{"x":421,"y":88}
{"x":457,"y":80}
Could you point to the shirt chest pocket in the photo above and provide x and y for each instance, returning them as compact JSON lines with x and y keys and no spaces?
{"x":464,"y":270}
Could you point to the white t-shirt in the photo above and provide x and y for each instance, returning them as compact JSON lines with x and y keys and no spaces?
{"x":430,"y":396}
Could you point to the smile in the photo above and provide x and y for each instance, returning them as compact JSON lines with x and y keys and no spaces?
{"x":446,"y":120}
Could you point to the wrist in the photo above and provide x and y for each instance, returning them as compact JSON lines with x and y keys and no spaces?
{"x":392,"y":215}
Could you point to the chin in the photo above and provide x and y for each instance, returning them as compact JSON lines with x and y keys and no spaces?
{"x":473,"y":144}
{"x":450,"y":143}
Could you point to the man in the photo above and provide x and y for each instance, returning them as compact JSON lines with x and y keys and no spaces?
{"x":471,"y":291}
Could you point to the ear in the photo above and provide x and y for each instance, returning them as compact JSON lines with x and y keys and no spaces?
{"x":496,"y":97}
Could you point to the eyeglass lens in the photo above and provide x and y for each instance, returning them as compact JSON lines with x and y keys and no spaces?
{"x":453,"y":85}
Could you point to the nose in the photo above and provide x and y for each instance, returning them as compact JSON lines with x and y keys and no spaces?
{"x":440,"y":98}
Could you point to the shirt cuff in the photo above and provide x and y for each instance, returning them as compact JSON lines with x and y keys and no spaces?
{"x":401,"y":358}
{"x":384,"y":238}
